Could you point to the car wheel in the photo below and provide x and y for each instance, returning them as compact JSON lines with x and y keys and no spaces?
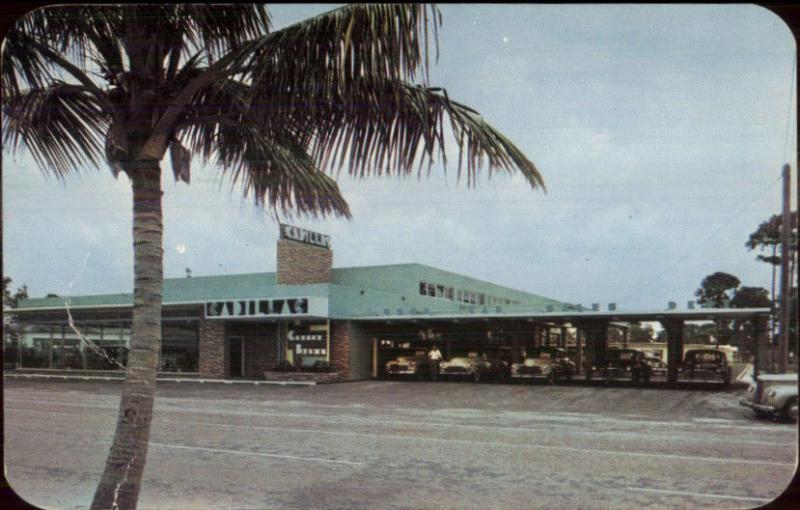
{"x":568,"y":376}
{"x":790,"y":409}
{"x":476,"y":376}
{"x":551,"y":377}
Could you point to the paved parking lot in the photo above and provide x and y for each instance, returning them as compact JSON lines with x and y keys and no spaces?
{"x":395,"y":444}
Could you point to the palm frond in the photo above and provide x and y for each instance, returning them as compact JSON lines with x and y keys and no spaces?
{"x":23,"y":66}
{"x":391,"y":127}
{"x":219,"y":28}
{"x":84,"y":33}
{"x":272,"y":165}
{"x":62,"y":125}
{"x":341,"y":46}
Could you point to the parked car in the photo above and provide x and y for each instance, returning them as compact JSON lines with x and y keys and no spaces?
{"x":657,"y":367}
{"x":620,"y":364}
{"x":549,"y":363}
{"x":402,"y":365}
{"x":705,"y":365}
{"x":466,"y":367}
{"x":773,"y":395}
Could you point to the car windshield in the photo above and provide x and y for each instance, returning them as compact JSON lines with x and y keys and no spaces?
{"x":622,"y":355}
{"x":706,"y":357}
{"x":549,"y":353}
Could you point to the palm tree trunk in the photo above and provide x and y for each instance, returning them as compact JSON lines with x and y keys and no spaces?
{"x":120,"y":484}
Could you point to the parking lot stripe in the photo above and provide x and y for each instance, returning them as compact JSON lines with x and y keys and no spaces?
{"x":699,"y":494}
{"x":504,"y":444}
{"x":256,"y":454}
{"x":763,"y":429}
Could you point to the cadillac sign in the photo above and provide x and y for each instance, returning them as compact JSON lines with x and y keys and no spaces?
{"x":302,"y":235}
{"x":266,"y":308}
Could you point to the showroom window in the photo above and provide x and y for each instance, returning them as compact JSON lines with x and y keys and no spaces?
{"x":60,"y":347}
{"x":179,"y":347}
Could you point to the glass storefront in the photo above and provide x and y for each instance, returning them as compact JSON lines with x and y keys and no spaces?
{"x":179,"y":347}
{"x":307,"y":346}
{"x":103,"y":346}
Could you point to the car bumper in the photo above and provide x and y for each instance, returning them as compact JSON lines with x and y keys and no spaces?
{"x":762,"y":408}
{"x":401,"y":372}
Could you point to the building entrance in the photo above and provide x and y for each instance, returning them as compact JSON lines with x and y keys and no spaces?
{"x":236,"y":353}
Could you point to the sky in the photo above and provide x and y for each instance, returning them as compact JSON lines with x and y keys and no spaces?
{"x":660,"y":132}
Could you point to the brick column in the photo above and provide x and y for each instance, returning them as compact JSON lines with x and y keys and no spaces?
{"x":674,"y":330}
{"x":340,"y":348}
{"x":212,"y":363}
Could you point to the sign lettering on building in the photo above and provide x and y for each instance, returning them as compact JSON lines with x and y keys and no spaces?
{"x":308,"y":340}
{"x":302,"y":235}
{"x":276,"y":307}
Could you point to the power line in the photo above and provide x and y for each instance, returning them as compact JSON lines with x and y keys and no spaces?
{"x":693,"y":250}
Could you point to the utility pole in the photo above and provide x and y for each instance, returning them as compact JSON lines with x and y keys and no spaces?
{"x":786,"y":254}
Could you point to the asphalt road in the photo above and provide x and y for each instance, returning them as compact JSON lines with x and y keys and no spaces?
{"x":393,"y":444}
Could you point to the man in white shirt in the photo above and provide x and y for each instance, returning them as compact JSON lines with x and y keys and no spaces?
{"x":434,"y":357}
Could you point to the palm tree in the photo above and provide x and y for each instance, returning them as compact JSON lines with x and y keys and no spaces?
{"x":276,"y":111}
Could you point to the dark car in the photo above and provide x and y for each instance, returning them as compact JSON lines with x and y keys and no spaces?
{"x":705,"y":365}
{"x":621,"y":364}
{"x":548,"y":363}
{"x":657,"y":367}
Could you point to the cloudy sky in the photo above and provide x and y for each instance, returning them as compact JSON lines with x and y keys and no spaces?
{"x":660,"y":132}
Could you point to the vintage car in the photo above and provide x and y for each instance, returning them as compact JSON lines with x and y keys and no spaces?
{"x":548,"y":363}
{"x":657,"y":367}
{"x":705,"y":365}
{"x":466,"y":367}
{"x":402,"y":365}
{"x":621,"y":364}
{"x":773,"y":395}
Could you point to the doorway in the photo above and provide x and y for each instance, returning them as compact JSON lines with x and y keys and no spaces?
{"x":236,"y":356}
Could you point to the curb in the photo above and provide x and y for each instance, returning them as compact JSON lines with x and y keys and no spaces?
{"x":161,"y":379}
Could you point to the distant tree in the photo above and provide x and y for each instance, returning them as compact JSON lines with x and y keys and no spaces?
{"x":51,"y":295}
{"x":750,"y":297}
{"x":639,"y":333}
{"x":11,"y":331}
{"x":716,"y":290}
{"x":767,"y":237}
{"x":699,"y":333}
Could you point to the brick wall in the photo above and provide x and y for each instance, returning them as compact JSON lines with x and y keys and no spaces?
{"x":340,"y":348}
{"x":300,"y":263}
{"x":213,"y":363}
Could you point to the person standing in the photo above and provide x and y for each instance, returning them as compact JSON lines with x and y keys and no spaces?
{"x":434,"y":357}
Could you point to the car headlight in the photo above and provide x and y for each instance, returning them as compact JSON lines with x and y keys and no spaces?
{"x":771,"y":393}
{"x":751,"y":388}
{"x":627,"y":369}
{"x":594,"y":367}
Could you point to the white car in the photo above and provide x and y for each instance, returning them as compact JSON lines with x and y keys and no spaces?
{"x":773,"y":395}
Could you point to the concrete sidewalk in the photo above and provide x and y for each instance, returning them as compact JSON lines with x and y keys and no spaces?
{"x":75,"y":377}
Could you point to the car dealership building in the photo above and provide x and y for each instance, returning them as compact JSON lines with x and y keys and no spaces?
{"x":311,"y":321}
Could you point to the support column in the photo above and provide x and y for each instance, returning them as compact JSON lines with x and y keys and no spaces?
{"x":761,"y":344}
{"x":211,"y":349}
{"x":374,"y":358}
{"x":563,"y":339}
{"x":579,"y":339}
{"x":674,"y":330}
{"x":515,"y":357}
